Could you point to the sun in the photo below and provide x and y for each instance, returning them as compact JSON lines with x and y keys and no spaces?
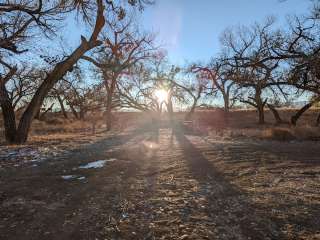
{"x":161,"y":95}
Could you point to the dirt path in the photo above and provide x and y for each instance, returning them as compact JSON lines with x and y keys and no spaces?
{"x":166,"y":184}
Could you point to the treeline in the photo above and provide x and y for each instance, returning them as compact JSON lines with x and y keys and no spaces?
{"x":120,"y":66}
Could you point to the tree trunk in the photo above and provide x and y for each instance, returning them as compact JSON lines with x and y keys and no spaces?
{"x":275,"y":114}
{"x":260,"y":105}
{"x":261,"y":114}
{"x":296,"y":117}
{"x":170,"y":106}
{"x":81,"y":113}
{"x":73,"y":110}
{"x":108,"y":115}
{"x":226,"y":103}
{"x":109,"y":102}
{"x":63,"y":110}
{"x":57,"y":73}
{"x":318,"y":120}
{"x":42,"y":115}
{"x":9,"y":118}
{"x":37,"y":115}
{"x":191,"y":112}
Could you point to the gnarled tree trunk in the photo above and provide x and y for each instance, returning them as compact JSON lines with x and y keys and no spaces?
{"x":74,"y":112}
{"x":226,"y":102}
{"x":191,"y":112}
{"x":275,"y":114}
{"x":318,"y":120}
{"x":295,"y":118}
{"x":110,"y":91}
{"x":260,"y":105}
{"x":42,"y":115}
{"x":57,"y":73}
{"x":8,"y":114}
{"x":63,"y":110}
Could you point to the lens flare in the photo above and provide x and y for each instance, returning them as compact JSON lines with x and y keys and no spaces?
{"x":161,"y":95}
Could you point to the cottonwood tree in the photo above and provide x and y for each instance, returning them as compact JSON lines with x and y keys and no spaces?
{"x":300,"y":48}
{"x":164,"y":76}
{"x":76,"y":96}
{"x":32,"y":18}
{"x":194,"y":86}
{"x":19,"y":21}
{"x":137,"y":90}
{"x":218,"y":73}
{"x":23,"y":85}
{"x":252,"y":66}
{"x":123,"y":48}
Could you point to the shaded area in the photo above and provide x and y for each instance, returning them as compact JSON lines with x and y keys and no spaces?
{"x":229,"y":205}
{"x":166,"y":183}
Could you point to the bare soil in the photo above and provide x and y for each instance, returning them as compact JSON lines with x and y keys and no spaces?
{"x":167,"y":182}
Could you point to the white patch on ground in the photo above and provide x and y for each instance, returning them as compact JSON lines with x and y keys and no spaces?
{"x":71,"y":177}
{"x":68,"y":177}
{"x":97,"y":164}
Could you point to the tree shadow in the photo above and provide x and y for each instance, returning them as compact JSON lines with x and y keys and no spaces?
{"x":231,"y":207}
{"x":44,"y":183}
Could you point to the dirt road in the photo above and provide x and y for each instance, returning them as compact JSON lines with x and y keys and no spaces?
{"x":166,"y":183}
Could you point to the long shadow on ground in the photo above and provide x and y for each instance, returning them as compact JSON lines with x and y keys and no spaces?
{"x":228,"y":206}
{"x":36,"y":203}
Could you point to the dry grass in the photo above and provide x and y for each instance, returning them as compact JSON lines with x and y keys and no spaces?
{"x":239,"y":124}
{"x":284,"y":133}
{"x":243,"y":124}
{"x":279,"y":134}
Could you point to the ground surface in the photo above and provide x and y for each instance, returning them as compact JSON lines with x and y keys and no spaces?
{"x":166,"y":183}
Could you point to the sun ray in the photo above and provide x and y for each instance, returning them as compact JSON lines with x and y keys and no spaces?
{"x":161,"y":95}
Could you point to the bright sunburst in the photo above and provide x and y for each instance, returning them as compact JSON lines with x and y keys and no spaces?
{"x":161,"y":95}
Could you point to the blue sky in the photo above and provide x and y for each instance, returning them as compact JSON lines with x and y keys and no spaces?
{"x":190,"y":29}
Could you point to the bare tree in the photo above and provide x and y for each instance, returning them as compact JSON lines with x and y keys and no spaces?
{"x":124,"y":47}
{"x":252,"y":65}
{"x":87,"y":9}
{"x":137,"y":90}
{"x":217,"y":72}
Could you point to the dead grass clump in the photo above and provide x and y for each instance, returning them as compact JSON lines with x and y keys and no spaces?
{"x":54,"y":121}
{"x":278,"y":134}
{"x":307,"y":133}
{"x":59,"y":126}
{"x":76,"y":126}
{"x":245,"y":132}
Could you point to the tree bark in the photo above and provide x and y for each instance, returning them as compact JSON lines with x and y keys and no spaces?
{"x":37,"y":115}
{"x":9,"y":118}
{"x":170,"y":106}
{"x":295,"y":118}
{"x":226,"y":103}
{"x":81,"y":112}
{"x":275,"y":114}
{"x":42,"y":115}
{"x":63,"y":110}
{"x":318,"y":120}
{"x":108,"y":115}
{"x":261,"y":115}
{"x":110,"y":92}
{"x":260,"y":105}
{"x":191,"y":112}
{"x":57,"y":73}
{"x":74,"y":112}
